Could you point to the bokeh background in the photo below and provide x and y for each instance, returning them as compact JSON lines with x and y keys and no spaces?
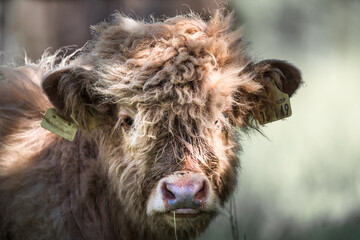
{"x":301,"y":181}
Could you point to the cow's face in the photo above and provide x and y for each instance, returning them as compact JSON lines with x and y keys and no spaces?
{"x":168,"y":97}
{"x":182,"y":142}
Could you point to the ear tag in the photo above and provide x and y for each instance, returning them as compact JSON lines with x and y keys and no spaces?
{"x":91,"y":120}
{"x":53,"y":122}
{"x":281,"y":109}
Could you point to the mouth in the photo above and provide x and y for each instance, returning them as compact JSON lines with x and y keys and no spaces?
{"x":183,"y":213}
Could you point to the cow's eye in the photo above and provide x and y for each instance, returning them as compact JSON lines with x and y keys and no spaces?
{"x":128,"y":122}
{"x":218,"y":124}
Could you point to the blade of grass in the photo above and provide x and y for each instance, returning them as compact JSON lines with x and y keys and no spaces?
{"x":175,"y":226}
{"x":233,"y":219}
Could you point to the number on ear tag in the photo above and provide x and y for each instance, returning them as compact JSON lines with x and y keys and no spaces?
{"x":53,"y":122}
{"x":281,"y":109}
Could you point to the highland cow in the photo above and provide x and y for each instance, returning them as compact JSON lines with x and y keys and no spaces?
{"x":159,"y":106}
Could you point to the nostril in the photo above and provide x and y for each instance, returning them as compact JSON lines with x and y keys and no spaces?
{"x":167,"y":193}
{"x":203,"y":192}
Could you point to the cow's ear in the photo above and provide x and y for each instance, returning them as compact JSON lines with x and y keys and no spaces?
{"x":286,"y":76}
{"x":279,"y":80}
{"x":70,"y":90}
{"x":256,"y":99}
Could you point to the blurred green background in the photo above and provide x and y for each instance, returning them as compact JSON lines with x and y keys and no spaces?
{"x":301,"y":181}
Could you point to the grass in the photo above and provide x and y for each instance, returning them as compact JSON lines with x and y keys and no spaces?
{"x":175,"y":227}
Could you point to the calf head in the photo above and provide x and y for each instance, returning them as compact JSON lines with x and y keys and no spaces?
{"x":168,"y":96}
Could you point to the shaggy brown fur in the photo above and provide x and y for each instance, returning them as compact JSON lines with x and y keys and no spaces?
{"x":167,"y":96}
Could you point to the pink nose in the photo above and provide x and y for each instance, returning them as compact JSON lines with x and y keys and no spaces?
{"x":185,"y":190}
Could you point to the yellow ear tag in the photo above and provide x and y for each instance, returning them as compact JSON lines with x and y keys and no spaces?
{"x":91,"y":120}
{"x":53,"y":122}
{"x":281,"y":110}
